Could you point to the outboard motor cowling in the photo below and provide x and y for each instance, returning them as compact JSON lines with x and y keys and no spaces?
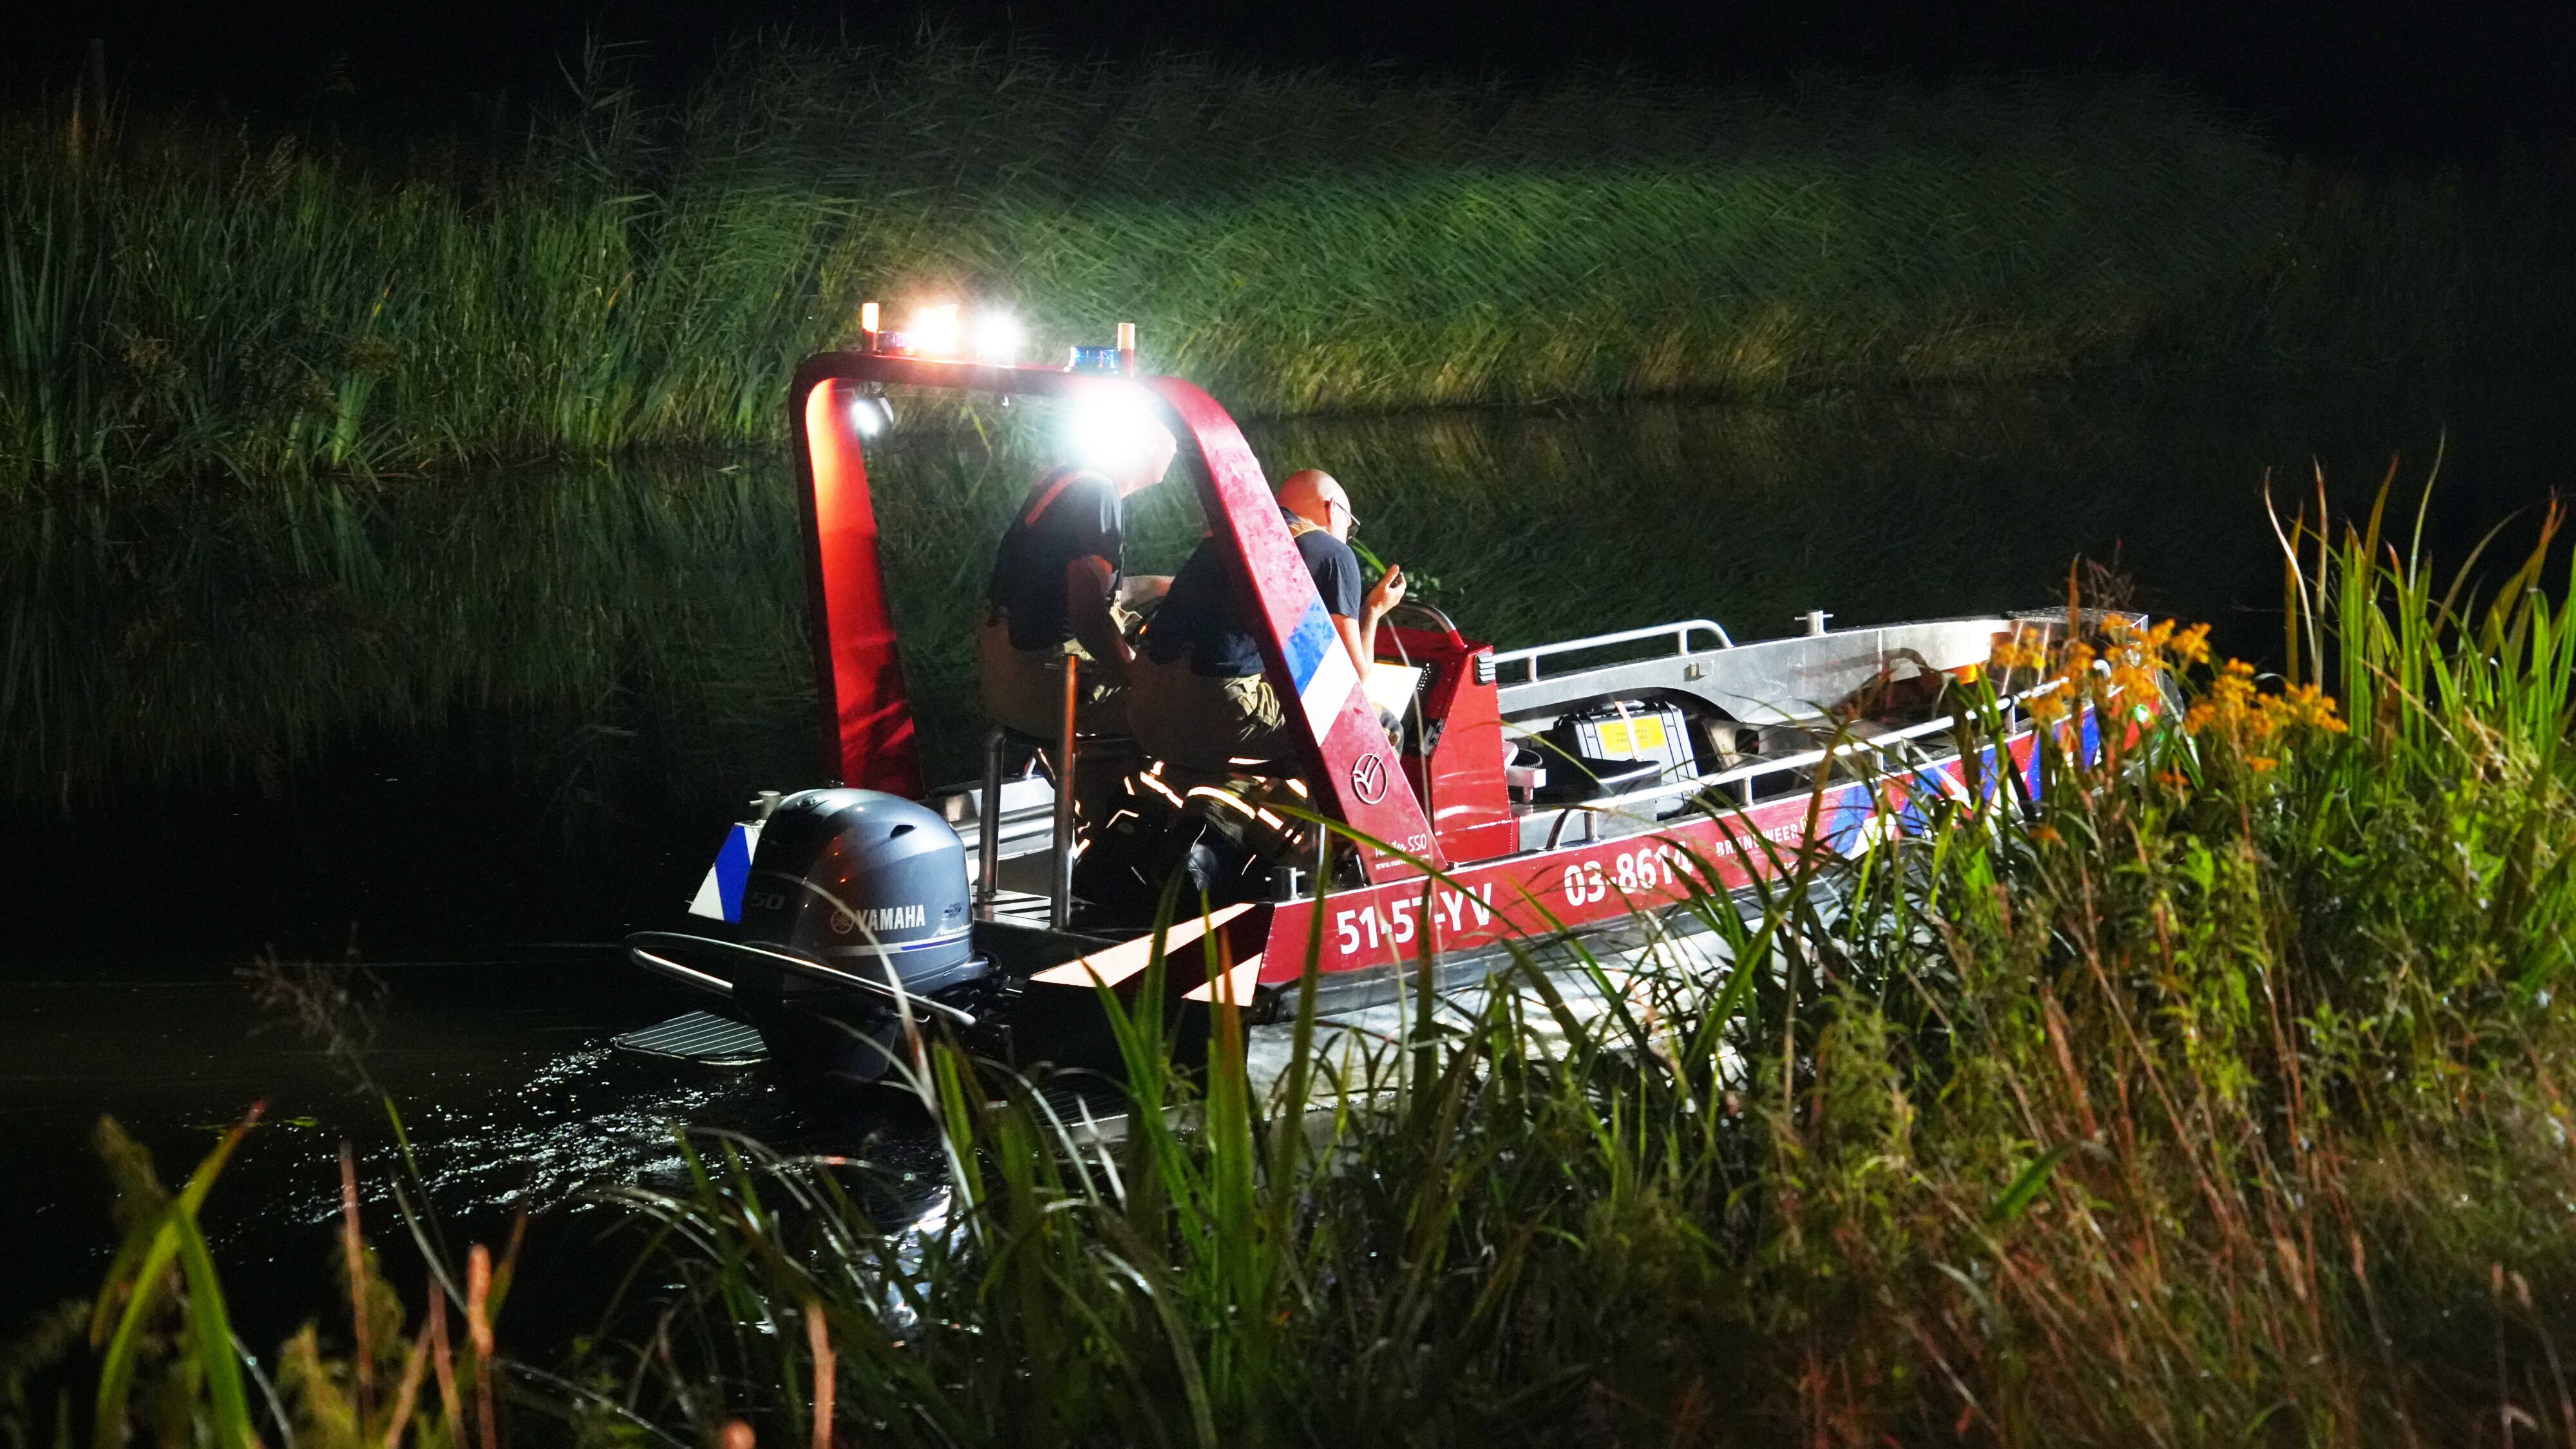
{"x":866,"y":883}
{"x":871,"y":883}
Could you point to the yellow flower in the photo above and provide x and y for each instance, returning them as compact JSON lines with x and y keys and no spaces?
{"x":2233,"y":710}
{"x":2122,"y":669}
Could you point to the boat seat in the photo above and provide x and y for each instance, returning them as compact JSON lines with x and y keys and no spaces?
{"x":1123,"y":745}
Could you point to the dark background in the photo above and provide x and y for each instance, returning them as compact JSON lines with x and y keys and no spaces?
{"x":2400,"y":86}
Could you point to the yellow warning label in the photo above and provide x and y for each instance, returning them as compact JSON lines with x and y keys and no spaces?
{"x":1627,"y":738}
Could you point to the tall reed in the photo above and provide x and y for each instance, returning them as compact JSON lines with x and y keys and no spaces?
{"x":184,"y":300}
{"x":166,"y":1361}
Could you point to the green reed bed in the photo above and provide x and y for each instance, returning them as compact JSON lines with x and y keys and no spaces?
{"x":2216,"y":1095}
{"x":183,"y":300}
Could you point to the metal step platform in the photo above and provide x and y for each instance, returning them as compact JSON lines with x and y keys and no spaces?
{"x":701,"y":1037}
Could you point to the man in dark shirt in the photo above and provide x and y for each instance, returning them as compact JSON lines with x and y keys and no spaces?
{"x":1055,"y":593}
{"x":1199,"y":697}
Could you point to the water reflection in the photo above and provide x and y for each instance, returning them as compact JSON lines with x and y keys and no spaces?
{"x":594,"y":1115}
{"x":644,"y":617}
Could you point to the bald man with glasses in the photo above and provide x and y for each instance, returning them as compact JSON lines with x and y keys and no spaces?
{"x":1197,"y":696}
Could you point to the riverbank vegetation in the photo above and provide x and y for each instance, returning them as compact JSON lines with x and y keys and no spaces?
{"x":2217,"y":1094}
{"x":183,"y":300}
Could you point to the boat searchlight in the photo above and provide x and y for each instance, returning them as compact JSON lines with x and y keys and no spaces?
{"x":933,"y":332}
{"x":997,"y":338}
{"x":1111,"y":430}
{"x":871,"y":412}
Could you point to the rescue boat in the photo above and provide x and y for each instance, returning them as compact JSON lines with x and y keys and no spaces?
{"x":1563,"y":790}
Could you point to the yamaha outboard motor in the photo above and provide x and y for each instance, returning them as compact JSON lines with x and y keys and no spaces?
{"x":873,"y":888}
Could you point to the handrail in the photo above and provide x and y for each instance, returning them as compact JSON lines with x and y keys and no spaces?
{"x":641,"y":944}
{"x":1680,"y":629}
{"x":1741,"y":774}
{"x":1446,"y":625}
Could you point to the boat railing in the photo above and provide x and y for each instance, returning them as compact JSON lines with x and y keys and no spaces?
{"x":1741,"y":778}
{"x":1679,"y":630}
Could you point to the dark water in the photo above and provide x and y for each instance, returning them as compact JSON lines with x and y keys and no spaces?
{"x":474,"y":731}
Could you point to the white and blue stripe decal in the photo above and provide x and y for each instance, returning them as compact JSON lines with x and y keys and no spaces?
{"x":733,"y":867}
{"x":719,"y":896}
{"x":1306,"y":644}
{"x":1320,"y":666}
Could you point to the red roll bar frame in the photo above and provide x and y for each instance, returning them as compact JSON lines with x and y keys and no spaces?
{"x":867,"y":712}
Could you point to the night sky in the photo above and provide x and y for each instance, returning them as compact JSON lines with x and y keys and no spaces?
{"x":2403,"y":85}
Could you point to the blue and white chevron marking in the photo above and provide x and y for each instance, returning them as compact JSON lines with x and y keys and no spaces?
{"x":1321,"y":667}
{"x":719,"y":896}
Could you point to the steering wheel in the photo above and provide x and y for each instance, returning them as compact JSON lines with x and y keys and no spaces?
{"x":1439,"y":620}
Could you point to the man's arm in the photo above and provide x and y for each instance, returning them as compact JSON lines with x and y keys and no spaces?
{"x":1353,"y":641}
{"x":1383,"y":597}
{"x":1086,"y":608}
